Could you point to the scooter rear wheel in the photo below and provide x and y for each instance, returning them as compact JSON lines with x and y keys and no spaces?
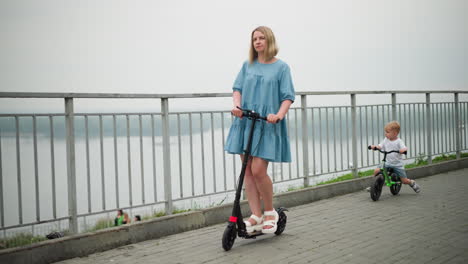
{"x":281,"y":225}
{"x":229,"y":236}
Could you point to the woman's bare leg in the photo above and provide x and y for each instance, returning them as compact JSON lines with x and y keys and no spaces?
{"x":264,"y":184}
{"x":253,"y":196}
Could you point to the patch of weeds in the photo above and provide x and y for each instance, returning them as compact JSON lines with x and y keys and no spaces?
{"x":348,"y":176}
{"x":412,"y":165}
{"x":178,"y":211}
{"x":21,"y":239}
{"x":196,"y":206}
{"x":222,"y":201}
{"x":294,"y":188}
{"x":158,"y":214}
{"x":101,"y":224}
{"x":212,"y":204}
{"x":421,"y":160}
{"x":365,"y":173}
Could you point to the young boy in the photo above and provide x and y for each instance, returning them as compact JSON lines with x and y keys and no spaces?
{"x":395,"y":160}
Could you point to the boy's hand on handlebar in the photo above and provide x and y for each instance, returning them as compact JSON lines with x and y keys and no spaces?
{"x":403,"y":151}
{"x":237,"y":112}
{"x":273,"y":119}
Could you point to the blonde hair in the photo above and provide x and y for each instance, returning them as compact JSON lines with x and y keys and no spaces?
{"x":394,"y":125}
{"x":271,"y":48}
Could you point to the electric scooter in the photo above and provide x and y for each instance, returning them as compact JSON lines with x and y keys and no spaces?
{"x":236,"y":226}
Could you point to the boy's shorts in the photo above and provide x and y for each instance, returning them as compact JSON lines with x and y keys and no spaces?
{"x":399,"y":171}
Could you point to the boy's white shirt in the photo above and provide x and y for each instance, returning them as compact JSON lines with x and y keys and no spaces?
{"x":393,"y":159}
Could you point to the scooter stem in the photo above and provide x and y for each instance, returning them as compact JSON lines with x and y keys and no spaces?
{"x":236,"y":211}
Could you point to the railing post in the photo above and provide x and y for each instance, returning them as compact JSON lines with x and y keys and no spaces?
{"x":394,"y":107}
{"x":305,"y":140}
{"x":71,"y":169}
{"x":429,"y":128}
{"x":166,"y":155}
{"x":457,"y":126}
{"x":354,"y":135}
{"x":2,"y":218}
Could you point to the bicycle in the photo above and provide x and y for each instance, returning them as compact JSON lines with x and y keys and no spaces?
{"x":387,"y":176}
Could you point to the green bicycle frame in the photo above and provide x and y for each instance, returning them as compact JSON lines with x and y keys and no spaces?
{"x":388,"y":179}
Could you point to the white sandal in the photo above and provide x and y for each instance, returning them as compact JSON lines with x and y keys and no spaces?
{"x":253,"y":228}
{"x":272,"y":223}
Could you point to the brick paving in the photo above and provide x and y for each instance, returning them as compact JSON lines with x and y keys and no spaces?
{"x":429,"y":227}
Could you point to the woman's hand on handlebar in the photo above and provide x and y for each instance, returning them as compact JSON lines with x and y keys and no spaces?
{"x":273,"y":119}
{"x":237,"y":112}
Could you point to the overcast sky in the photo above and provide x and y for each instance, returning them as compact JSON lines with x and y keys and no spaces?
{"x":111,"y":46}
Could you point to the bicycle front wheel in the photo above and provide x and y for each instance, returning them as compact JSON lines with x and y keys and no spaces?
{"x":376,"y":187}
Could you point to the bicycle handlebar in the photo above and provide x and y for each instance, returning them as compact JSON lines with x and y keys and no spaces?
{"x":387,"y":152}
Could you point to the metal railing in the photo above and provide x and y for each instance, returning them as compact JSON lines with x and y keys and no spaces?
{"x":134,"y":160}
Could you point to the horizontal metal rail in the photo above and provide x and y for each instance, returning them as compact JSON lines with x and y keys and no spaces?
{"x":204,"y":95}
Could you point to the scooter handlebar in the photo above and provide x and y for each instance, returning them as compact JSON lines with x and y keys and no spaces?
{"x":252,"y":114}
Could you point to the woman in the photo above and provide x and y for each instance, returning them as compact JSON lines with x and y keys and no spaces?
{"x":264,"y":85}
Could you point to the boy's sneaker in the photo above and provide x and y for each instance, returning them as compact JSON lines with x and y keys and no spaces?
{"x":368,"y":189}
{"x":415,"y":187}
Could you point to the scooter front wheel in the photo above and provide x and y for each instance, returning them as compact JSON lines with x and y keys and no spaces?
{"x":229,"y":236}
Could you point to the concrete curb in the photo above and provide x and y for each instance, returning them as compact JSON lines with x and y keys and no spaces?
{"x":88,"y":243}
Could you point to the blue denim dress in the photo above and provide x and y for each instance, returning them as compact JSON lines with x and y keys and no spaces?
{"x":263,"y":87}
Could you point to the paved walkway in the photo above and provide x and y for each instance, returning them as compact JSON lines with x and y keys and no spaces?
{"x":429,"y":227}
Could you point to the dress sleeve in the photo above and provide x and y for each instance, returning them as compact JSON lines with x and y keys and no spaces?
{"x":286,"y":86}
{"x":239,"y":80}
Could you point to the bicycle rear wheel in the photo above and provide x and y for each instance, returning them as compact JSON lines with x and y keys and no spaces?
{"x":395,"y":188}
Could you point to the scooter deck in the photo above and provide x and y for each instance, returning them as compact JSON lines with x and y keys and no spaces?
{"x":254,"y":234}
